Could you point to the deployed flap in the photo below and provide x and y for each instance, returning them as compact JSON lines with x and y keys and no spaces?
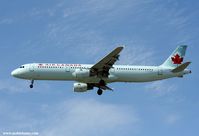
{"x":101,"y":68}
{"x":106,"y":88}
{"x":181,"y":67}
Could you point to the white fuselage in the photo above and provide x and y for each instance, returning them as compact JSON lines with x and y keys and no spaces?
{"x":80,"y":73}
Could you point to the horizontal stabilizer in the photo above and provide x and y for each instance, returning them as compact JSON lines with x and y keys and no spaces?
{"x":181,"y":67}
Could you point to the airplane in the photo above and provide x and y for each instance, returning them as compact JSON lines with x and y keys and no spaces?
{"x":88,"y":76}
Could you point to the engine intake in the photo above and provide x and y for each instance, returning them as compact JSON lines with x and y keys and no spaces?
{"x":81,"y":87}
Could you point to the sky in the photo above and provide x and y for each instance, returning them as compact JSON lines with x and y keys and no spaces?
{"x":84,"y":31}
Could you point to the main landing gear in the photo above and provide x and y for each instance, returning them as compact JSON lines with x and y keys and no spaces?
{"x":99,"y":91}
{"x":101,"y":83}
{"x":32,"y":82}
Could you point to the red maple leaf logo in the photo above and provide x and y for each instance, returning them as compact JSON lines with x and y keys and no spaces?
{"x":177,"y":59}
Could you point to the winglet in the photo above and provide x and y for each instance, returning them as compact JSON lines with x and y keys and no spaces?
{"x":119,"y":48}
{"x":122,"y":45}
{"x":181,"y":67}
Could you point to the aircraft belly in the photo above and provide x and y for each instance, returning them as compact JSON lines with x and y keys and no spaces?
{"x":53,"y":75}
{"x":137,"y":77}
{"x":89,"y":80}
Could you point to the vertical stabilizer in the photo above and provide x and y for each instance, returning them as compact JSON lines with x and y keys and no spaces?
{"x":176,"y":57}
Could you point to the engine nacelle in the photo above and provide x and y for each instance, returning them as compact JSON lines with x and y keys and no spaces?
{"x":81,"y":87}
{"x":79,"y":73}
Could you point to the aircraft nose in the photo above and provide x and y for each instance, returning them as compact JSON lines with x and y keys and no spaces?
{"x":14,"y":73}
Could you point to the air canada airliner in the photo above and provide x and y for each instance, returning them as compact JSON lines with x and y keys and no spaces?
{"x":88,"y":76}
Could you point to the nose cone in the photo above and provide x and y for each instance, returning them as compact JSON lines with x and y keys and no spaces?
{"x":19,"y":73}
{"x":14,"y":73}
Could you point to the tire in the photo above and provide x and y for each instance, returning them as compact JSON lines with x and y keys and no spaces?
{"x":31,"y":86}
{"x":99,"y":91}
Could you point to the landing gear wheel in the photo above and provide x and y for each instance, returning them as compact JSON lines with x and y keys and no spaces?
{"x":31,"y":86}
{"x":32,"y":82}
{"x":99,"y":91}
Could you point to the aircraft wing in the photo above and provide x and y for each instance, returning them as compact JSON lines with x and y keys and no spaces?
{"x":101,"y":69}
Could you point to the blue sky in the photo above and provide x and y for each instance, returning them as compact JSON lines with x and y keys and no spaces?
{"x":83,"y":31}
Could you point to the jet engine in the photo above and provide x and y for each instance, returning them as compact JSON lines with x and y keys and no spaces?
{"x":81,"y":87}
{"x":79,"y":73}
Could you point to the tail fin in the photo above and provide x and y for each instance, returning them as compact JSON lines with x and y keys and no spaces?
{"x":176,"y":57}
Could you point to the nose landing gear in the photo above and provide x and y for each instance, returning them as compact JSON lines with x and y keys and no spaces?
{"x":32,"y":82}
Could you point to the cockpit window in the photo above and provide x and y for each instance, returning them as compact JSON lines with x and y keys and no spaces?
{"x":21,"y":67}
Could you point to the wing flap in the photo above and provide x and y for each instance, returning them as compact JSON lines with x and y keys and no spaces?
{"x":106,"y":88}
